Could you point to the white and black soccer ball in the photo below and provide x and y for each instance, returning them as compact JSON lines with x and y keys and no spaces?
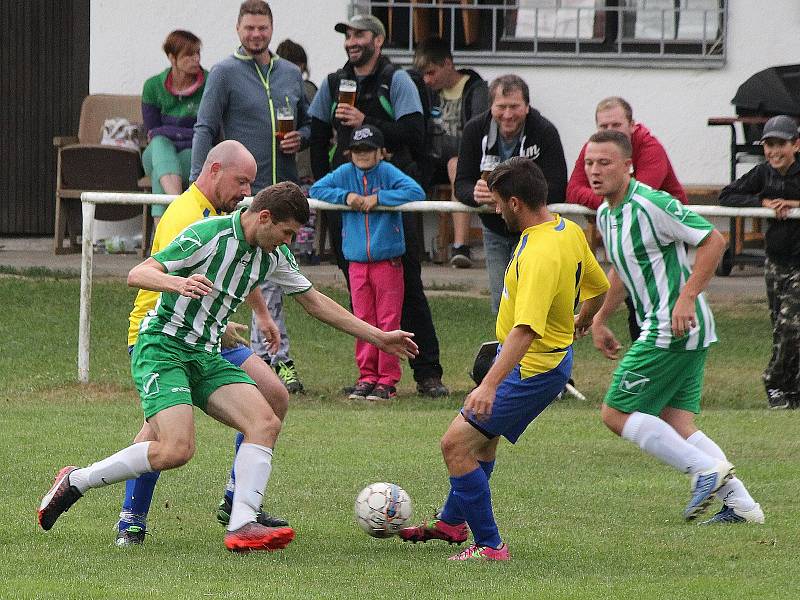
{"x":382,"y":509}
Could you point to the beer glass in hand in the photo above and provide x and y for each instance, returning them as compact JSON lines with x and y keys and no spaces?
{"x":284,"y":121}
{"x":347,"y":92}
{"x":488,"y":164}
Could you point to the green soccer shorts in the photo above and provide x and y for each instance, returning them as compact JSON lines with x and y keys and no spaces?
{"x":168,"y":372}
{"x":648,"y":379}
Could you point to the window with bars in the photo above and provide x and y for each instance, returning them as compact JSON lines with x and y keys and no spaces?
{"x":657,"y":33}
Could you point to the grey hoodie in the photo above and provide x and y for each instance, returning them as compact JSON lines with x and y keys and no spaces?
{"x":237,"y":106}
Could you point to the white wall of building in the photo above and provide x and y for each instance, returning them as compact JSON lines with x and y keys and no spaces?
{"x":126,"y":40}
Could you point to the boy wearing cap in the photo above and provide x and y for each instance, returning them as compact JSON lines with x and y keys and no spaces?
{"x":775,"y":184}
{"x":373,"y":243}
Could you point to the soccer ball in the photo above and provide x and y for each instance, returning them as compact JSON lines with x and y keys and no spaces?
{"x":382,"y":509}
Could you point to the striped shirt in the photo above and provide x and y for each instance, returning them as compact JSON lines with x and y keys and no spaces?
{"x":215,"y":247}
{"x":645,"y":239}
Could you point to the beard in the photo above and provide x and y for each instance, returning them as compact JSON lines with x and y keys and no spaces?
{"x":367,"y":52}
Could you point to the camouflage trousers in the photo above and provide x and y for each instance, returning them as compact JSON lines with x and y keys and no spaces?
{"x":783,"y":297}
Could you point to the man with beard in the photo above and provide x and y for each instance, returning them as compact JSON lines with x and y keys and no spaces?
{"x":388,"y":99}
{"x":551,"y":271}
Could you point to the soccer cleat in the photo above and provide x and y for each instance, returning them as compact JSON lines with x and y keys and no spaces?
{"x":777,"y":399}
{"x":704,"y":485}
{"x":729,"y":514}
{"x":476,"y":552}
{"x":287,"y":373}
{"x":433,"y":387}
{"x":262,"y":518}
{"x":254,"y":536}
{"x":461,"y":257}
{"x":435,"y":529}
{"x":382,"y":392}
{"x":361,"y":390}
{"x":132,"y":536}
{"x":61,"y":496}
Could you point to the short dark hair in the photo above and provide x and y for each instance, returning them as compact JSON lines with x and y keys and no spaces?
{"x":294,"y":53}
{"x":180,"y":42}
{"x":285,"y":200}
{"x":614,"y":137}
{"x":613,"y":101}
{"x":254,"y":7}
{"x":520,"y":177}
{"x":433,"y":50}
{"x":507,"y":84}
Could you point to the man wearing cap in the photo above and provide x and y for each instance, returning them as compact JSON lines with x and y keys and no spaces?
{"x":387,"y":98}
{"x":775,"y":184}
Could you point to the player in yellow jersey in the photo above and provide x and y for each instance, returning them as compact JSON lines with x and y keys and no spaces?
{"x":550,"y":273}
{"x":223,"y":182}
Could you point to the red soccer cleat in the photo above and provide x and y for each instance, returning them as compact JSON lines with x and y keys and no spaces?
{"x":436,"y":529}
{"x":476,"y":552}
{"x":252,"y":536}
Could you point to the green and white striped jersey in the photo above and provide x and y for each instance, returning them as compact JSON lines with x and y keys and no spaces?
{"x":645,"y":239}
{"x":215,"y":247}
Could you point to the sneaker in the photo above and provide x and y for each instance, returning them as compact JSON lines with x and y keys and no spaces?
{"x":253,"y":536}
{"x":728,"y":514}
{"x":61,"y":496}
{"x":361,"y":390}
{"x":132,"y":536}
{"x":287,"y":373}
{"x":777,"y":399}
{"x":476,"y":552}
{"x":460,"y":257}
{"x":262,"y":518}
{"x":433,"y":387}
{"x":382,"y":392}
{"x":704,"y":485}
{"x":435,"y":529}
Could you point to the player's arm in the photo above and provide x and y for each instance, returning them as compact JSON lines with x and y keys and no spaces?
{"x":602,"y":336}
{"x":319,"y":306}
{"x":709,"y":253}
{"x":255,"y":300}
{"x":479,"y":402}
{"x":585,"y":317}
{"x":151,"y":275}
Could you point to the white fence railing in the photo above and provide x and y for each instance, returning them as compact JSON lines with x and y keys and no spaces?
{"x":90,"y":200}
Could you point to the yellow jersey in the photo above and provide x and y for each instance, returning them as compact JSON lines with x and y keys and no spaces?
{"x":189,"y":207}
{"x":551,"y":272}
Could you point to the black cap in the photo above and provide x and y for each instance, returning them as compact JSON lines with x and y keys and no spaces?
{"x":367,"y":136}
{"x":782,"y":127}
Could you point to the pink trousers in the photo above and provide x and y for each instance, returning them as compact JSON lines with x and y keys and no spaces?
{"x":376,"y":290}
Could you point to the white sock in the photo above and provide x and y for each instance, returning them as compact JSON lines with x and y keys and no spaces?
{"x":126,"y":464}
{"x":732,"y":493}
{"x":253,"y":466}
{"x":659,"y":439}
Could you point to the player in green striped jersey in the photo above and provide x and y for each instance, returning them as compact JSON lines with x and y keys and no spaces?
{"x":203,"y":275}
{"x":655,"y":391}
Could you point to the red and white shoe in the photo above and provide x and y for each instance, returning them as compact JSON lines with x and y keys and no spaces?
{"x":253,"y":536}
{"x":57,"y":501}
{"x":476,"y":552}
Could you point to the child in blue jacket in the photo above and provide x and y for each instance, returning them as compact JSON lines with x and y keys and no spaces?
{"x":373,"y":243}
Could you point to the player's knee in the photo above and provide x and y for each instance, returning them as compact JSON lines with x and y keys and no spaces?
{"x":278,"y":398}
{"x":173,"y":454}
{"x":449,"y":447}
{"x":263,"y":429}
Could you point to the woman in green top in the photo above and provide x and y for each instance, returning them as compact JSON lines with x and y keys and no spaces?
{"x":169,"y":107}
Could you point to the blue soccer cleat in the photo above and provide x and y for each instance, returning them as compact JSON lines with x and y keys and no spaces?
{"x":728,"y":514}
{"x":704,"y":485}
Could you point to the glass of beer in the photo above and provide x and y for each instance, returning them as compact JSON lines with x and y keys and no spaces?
{"x":488,"y":164}
{"x":347,"y":92}
{"x":284,"y":121}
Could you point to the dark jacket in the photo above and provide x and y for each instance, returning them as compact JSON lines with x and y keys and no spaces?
{"x":539,"y":141}
{"x":475,"y":98}
{"x":782,"y":239}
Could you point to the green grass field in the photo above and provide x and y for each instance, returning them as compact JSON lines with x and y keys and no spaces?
{"x":586,"y":515}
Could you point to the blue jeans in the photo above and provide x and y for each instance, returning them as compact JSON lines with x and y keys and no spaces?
{"x":498,"y":249}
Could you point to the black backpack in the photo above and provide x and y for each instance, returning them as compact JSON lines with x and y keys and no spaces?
{"x":425,"y":156}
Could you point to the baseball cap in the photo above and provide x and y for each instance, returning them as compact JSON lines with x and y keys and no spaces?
{"x":362,"y":23}
{"x":782,"y":127}
{"x":367,"y":136}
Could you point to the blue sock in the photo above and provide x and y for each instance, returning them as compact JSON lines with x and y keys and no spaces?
{"x":472,"y":493}
{"x":138,"y":496}
{"x":451,"y":512}
{"x":232,"y":480}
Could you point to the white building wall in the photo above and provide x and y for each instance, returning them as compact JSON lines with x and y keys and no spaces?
{"x":126,"y":40}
